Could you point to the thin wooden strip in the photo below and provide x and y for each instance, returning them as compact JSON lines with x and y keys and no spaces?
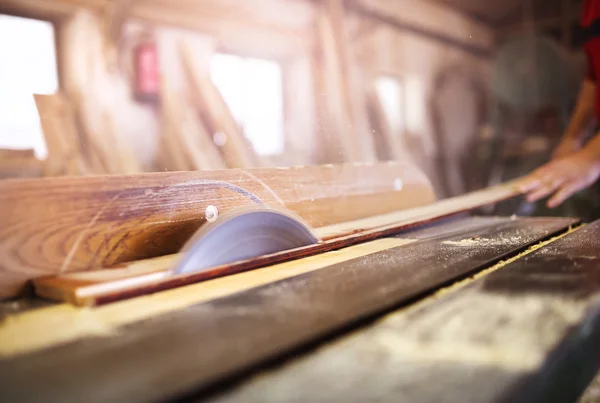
{"x":60,"y":225}
{"x":84,"y":287}
{"x":192,"y":348}
{"x":527,"y":332}
{"x":441,"y":208}
{"x":362,"y":231}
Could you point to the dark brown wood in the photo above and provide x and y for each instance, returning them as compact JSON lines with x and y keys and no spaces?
{"x":59,"y":225}
{"x":528,"y":332}
{"x":190,"y":349}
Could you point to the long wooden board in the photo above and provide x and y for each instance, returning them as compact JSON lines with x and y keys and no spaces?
{"x":152,"y":276}
{"x":59,"y":225}
{"x":194,"y":347}
{"x":525,"y":333}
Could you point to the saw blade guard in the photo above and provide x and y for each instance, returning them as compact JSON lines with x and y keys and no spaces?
{"x":243,"y":234}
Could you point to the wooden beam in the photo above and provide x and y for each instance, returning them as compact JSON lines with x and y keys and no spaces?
{"x":392,"y":15}
{"x":60,"y":225}
{"x":99,"y":289}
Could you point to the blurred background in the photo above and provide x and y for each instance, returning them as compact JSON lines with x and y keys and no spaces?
{"x":474,"y":92}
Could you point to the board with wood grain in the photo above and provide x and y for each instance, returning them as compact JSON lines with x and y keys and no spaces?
{"x":60,"y":225}
{"x":153,"y":275}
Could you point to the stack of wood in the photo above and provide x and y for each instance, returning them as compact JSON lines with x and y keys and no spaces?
{"x":77,"y":123}
{"x":19,"y":164}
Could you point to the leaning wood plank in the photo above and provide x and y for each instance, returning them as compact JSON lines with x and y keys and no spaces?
{"x":59,"y":225}
{"x":345,"y":112}
{"x":187,"y":140}
{"x":263,"y":322}
{"x":173,"y":156}
{"x":60,"y":132}
{"x":152,"y":276}
{"x":212,"y":107}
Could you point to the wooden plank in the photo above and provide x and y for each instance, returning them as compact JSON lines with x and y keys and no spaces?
{"x":216,"y":115}
{"x":172,"y":155}
{"x":188,"y":144}
{"x":527,"y":332}
{"x":60,"y":225}
{"x":156,"y":275}
{"x":201,"y":344}
{"x":62,"y":138}
{"x":21,"y":168}
{"x":91,"y":88}
{"x":16,"y":153}
{"x":344,"y":117}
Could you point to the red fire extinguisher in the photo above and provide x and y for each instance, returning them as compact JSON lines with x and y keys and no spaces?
{"x":147,"y":70}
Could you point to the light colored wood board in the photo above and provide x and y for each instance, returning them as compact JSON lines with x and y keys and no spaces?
{"x":88,"y":288}
{"x":12,"y":153}
{"x":46,"y":327}
{"x":61,"y":135}
{"x":21,"y":168}
{"x":426,"y":213}
{"x":92,"y":88}
{"x":121,"y":151}
{"x":346,"y":104}
{"x":61,"y":225}
{"x":217,"y":116}
{"x":172,"y":155}
{"x":188,"y":140}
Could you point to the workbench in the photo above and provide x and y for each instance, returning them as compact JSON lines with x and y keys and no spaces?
{"x":467,"y":309}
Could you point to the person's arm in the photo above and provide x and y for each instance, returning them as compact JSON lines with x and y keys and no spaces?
{"x":565,"y":176}
{"x":584,"y":108}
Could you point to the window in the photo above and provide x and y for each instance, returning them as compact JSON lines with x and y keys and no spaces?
{"x":391,"y":95}
{"x":27,"y":67}
{"x":252,"y":88}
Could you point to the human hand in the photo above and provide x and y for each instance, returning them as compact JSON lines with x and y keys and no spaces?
{"x":566,"y":147}
{"x":563,"y":177}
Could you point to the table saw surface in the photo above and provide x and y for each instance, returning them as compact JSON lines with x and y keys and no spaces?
{"x":473,"y":309}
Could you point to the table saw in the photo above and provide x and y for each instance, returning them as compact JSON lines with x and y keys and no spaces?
{"x":327,"y":283}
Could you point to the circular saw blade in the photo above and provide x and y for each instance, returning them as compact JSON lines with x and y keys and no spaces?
{"x":243,"y":234}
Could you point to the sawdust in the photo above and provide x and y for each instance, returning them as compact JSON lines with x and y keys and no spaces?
{"x":501,"y":264}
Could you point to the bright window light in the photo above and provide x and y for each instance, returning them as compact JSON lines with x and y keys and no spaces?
{"x":27,"y":67}
{"x":252,"y":88}
{"x":392,"y":100}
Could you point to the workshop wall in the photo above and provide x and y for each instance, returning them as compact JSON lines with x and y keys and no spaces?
{"x":405,"y":46}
